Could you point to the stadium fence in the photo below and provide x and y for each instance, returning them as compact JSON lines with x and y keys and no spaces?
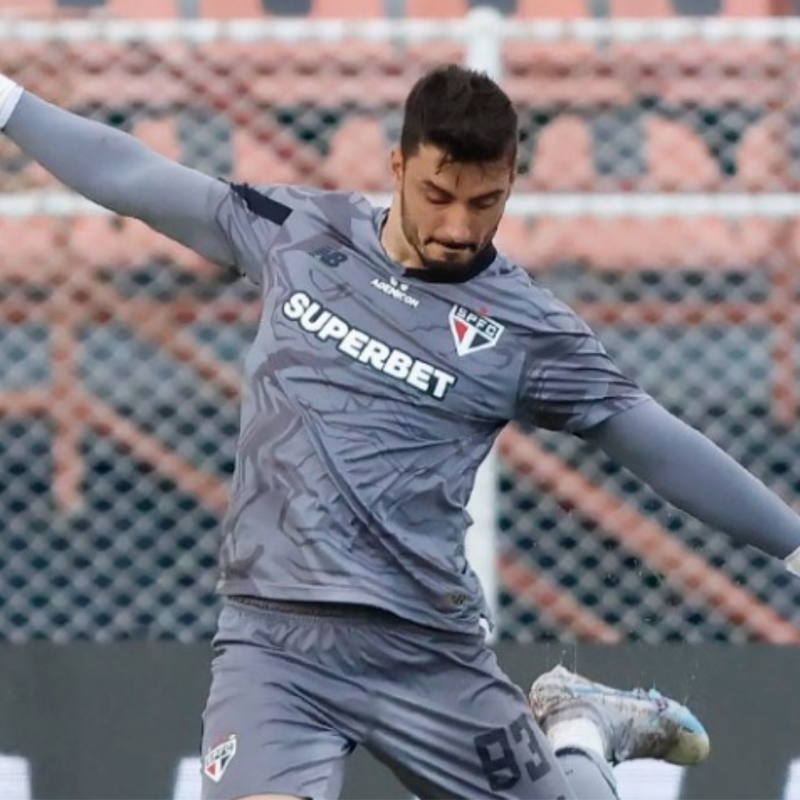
{"x":656,"y":194}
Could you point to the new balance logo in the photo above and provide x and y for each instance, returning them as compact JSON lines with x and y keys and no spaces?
{"x":396,"y":290}
{"x":329,"y":256}
{"x":472,"y":332}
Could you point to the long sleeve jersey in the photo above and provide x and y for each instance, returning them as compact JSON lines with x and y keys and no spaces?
{"x":372,"y":392}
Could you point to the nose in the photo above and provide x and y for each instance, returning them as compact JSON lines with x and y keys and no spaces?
{"x":457,"y":228}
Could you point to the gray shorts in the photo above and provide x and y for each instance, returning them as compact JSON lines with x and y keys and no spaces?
{"x":293,"y":694}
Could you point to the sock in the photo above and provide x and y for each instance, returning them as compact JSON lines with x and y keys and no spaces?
{"x":577,"y":733}
{"x":589,"y":776}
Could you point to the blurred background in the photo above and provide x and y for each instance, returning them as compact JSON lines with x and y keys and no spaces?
{"x":657,"y":194}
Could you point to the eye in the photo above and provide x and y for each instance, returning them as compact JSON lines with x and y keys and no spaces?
{"x":486,"y":204}
{"x":438,"y":200}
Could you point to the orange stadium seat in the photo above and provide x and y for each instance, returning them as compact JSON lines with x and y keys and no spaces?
{"x":160,"y":134}
{"x":747,"y":8}
{"x":563,"y":160}
{"x":641,"y":8}
{"x":631,"y":244}
{"x":677,"y":157}
{"x":712,"y":72}
{"x":563,"y":72}
{"x":358,"y":158}
{"x":238,"y":61}
{"x":513,"y":239}
{"x":265,"y":151}
{"x":33,"y":176}
{"x":143,"y":9}
{"x":793,"y":239}
{"x":232,"y":9}
{"x":258,"y":161}
{"x":671,"y":244}
{"x":424,"y":55}
{"x":19,"y":173}
{"x":349,"y":9}
{"x":79,"y":9}
{"x":552,"y":9}
{"x":118,"y":85}
{"x":547,"y":241}
{"x":97,"y":242}
{"x":320,"y":85}
{"x":20,"y":9}
{"x":437,"y":8}
{"x":623,"y":244}
{"x":33,"y":248}
{"x":762,"y":161}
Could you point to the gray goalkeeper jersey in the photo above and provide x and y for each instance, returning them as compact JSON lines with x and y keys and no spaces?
{"x":372,"y":394}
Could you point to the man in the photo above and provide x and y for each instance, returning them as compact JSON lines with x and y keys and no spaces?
{"x":394,"y":346}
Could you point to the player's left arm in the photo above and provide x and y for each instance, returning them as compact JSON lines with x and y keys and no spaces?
{"x":687,"y":469}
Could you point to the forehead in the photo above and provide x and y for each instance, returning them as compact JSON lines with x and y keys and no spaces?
{"x":430,"y":163}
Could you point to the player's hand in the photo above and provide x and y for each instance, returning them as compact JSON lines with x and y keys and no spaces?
{"x":10,"y":93}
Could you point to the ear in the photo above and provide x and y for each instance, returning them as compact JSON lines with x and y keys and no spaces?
{"x":396,"y":165}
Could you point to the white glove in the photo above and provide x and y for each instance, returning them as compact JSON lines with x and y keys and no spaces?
{"x":792,"y":562}
{"x":10,"y":93}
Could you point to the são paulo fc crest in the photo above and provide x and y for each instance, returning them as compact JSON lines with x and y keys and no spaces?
{"x":217,"y":759}
{"x":472,"y":332}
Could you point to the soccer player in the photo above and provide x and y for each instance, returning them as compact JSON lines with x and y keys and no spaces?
{"x":394,"y":345}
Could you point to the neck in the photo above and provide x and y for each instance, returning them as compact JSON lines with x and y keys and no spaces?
{"x":394,"y":241}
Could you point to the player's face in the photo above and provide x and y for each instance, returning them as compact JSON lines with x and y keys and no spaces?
{"x":449,"y":211}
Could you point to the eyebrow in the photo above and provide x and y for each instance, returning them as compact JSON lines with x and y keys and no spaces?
{"x":429,"y":184}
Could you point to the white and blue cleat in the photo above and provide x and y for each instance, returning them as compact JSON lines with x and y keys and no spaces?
{"x":634,"y":724}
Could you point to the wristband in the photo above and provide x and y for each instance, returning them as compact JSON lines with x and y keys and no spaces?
{"x":792,"y":562}
{"x":10,"y":93}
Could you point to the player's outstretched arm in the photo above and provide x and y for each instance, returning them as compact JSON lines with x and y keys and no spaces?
{"x":118,"y":172}
{"x":691,"y":472}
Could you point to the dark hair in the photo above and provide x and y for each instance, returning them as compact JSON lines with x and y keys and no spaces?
{"x":464,"y":113}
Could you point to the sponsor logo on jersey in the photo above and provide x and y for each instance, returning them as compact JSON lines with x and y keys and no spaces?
{"x":473,"y":332}
{"x":217,"y":759}
{"x":326,"y":326}
{"x":396,"y":290}
{"x":329,"y":256}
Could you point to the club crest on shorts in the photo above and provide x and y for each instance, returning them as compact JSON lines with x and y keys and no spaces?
{"x":473,"y":332}
{"x":217,"y":759}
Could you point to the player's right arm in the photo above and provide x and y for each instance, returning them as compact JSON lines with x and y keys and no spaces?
{"x":117,"y":171}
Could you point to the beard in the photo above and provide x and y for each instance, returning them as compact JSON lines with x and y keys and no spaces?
{"x":461,"y":257}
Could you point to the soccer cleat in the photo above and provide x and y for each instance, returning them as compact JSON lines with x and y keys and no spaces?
{"x":634,"y":724}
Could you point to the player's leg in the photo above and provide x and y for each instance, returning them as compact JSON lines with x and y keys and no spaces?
{"x":452,"y":724}
{"x":263,"y":736}
{"x":620,"y":725}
